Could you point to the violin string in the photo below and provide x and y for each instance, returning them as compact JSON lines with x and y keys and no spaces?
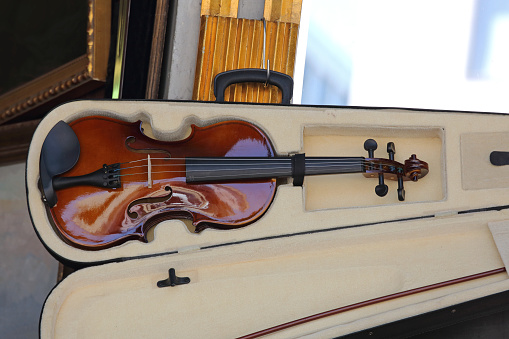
{"x":222,"y":163}
{"x":247,"y":165}
{"x":230,"y":158}
{"x":343,"y":167}
{"x":219,"y":176}
{"x":344,"y":164}
{"x":189,"y":168}
{"x":194,"y":158}
{"x":145,"y":159}
{"x":272,"y":174}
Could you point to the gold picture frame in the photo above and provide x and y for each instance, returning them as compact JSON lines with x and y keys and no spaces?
{"x":70,"y":80}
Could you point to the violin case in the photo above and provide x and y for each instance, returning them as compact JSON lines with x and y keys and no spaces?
{"x":331,"y":243}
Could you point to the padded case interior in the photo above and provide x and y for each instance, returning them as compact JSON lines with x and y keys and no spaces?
{"x":330,"y":243}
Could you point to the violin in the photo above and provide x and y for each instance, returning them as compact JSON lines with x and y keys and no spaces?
{"x":105,"y":182}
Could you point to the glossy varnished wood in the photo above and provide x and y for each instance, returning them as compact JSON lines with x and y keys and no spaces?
{"x":96,"y":218}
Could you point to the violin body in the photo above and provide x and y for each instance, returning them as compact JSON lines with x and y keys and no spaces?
{"x":95,"y":218}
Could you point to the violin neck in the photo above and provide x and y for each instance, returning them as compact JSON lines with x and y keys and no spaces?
{"x":199,"y":170}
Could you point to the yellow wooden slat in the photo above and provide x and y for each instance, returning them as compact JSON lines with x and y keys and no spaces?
{"x":225,"y":8}
{"x":255,"y":58}
{"x":292,"y":46}
{"x":231,"y":51}
{"x":283,"y":10}
{"x":219,"y":51}
{"x":198,"y":82}
{"x":227,"y":43}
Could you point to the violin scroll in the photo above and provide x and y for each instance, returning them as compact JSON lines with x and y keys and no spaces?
{"x":413,"y":169}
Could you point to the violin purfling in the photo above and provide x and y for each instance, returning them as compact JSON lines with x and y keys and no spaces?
{"x":105,"y":182}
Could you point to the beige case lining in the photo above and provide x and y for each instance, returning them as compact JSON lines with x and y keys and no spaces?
{"x":250,"y":285}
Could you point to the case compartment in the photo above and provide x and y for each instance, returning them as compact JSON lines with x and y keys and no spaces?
{"x":355,"y":249}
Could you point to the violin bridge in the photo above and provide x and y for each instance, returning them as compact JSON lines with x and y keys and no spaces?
{"x":149,"y":180}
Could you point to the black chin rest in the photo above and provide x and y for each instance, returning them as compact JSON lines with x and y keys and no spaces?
{"x":60,"y":152}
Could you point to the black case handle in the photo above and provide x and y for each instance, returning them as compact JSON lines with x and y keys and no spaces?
{"x":283,"y":81}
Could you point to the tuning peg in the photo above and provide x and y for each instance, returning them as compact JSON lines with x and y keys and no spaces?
{"x":370,"y":145}
{"x":401,"y":190}
{"x":391,"y":149}
{"x":381,"y":189}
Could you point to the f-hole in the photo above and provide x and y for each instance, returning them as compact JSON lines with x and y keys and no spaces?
{"x":132,"y":140}
{"x":154,"y":200}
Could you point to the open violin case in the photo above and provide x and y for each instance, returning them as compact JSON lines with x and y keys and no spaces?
{"x":330,"y":244}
